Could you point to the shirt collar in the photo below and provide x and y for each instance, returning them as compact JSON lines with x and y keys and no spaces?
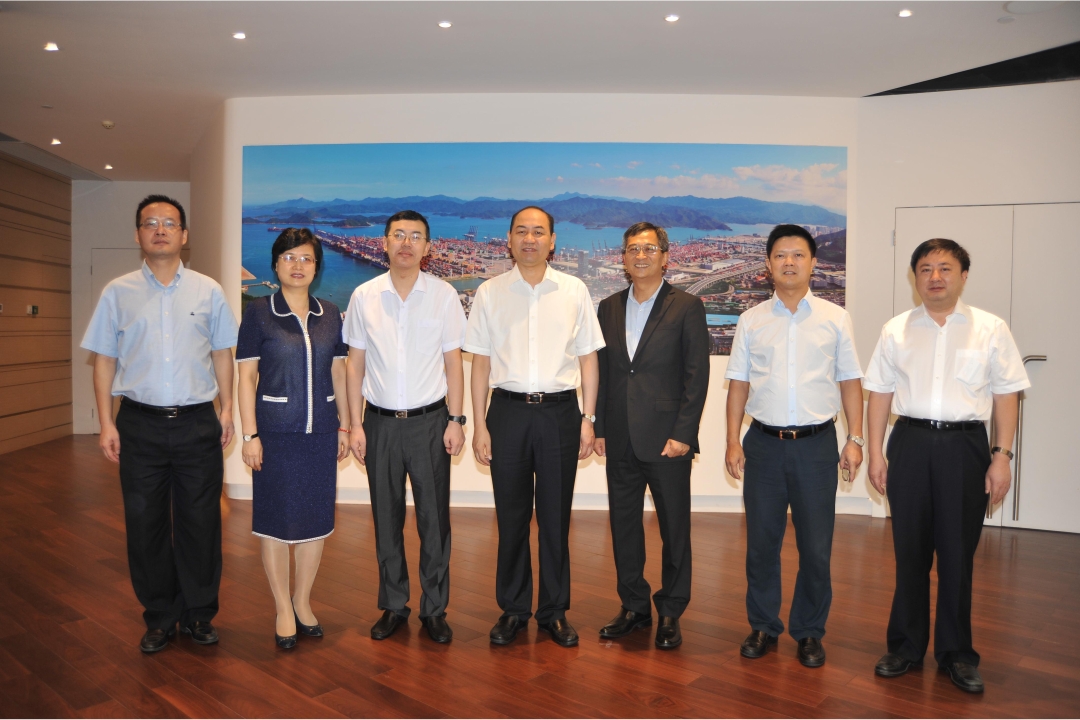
{"x":278,"y":300}
{"x":515,"y":277}
{"x":651,"y":299}
{"x":962,"y":313}
{"x":152,"y":278}
{"x":778,"y":304}
{"x":386,"y":285}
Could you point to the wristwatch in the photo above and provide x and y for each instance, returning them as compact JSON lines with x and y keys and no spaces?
{"x":459,"y":419}
{"x":1007,"y":453}
{"x":590,"y":418}
{"x":248,"y":438}
{"x":857,"y":440}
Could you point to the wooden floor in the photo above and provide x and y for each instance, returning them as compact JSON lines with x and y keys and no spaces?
{"x":72,"y":624}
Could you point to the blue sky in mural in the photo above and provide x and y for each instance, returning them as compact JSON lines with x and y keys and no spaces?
{"x":811,"y":175}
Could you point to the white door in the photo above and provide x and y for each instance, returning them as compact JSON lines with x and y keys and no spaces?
{"x":107,"y":264}
{"x":1046,"y":252}
{"x":986,"y":232}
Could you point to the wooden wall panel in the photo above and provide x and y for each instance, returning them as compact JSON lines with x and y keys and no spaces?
{"x":35,"y":269}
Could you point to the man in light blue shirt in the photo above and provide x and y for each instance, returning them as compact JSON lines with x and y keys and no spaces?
{"x":163,"y":338}
{"x":637,"y":314}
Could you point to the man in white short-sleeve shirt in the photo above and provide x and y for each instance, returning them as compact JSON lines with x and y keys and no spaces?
{"x":530,"y":331}
{"x":944,"y":368}
{"x":404,"y":330}
{"x":793,"y":365}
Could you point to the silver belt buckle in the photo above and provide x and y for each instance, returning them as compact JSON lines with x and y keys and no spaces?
{"x":534,"y":398}
{"x":172,"y":412}
{"x":784,"y":435}
{"x":401,"y":414}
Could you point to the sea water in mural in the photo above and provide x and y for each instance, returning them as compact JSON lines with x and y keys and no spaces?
{"x":718,"y":203}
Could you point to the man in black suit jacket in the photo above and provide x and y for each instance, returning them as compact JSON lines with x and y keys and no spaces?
{"x":654,"y":375}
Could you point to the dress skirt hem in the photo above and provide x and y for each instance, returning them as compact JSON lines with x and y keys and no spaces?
{"x":292,"y":542}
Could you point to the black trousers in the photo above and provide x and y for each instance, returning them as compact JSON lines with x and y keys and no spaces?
{"x":171,"y":472}
{"x":669,"y":483}
{"x":534,"y":451}
{"x":803,"y":474}
{"x":937,"y":494}
{"x":412,"y":446}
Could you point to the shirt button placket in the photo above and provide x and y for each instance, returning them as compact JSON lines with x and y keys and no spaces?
{"x":403,"y":316}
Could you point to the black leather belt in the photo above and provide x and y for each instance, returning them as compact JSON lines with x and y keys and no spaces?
{"x":165,"y":411}
{"x":537,"y":397}
{"x":942,"y":424}
{"x":437,"y":405}
{"x":792,"y":433}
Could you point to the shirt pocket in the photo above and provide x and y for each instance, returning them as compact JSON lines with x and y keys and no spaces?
{"x":274,"y":399}
{"x":428,"y":336}
{"x":973,"y":368}
{"x":761,"y":361}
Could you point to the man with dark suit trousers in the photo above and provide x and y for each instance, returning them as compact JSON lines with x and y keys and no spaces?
{"x":654,"y":375}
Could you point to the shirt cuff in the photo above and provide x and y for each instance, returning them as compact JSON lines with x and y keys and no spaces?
{"x":355,"y":344}
{"x":476,"y":349}
{"x":874,"y":387}
{"x":852,"y":376}
{"x":452,"y":345}
{"x":1011,"y":387}
{"x":732,"y":375}
{"x":94,"y":349}
{"x":599,"y":345}
{"x":246,"y":359}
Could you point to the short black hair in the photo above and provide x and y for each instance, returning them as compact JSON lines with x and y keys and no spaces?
{"x":783,"y":231}
{"x":640,"y":227}
{"x":550,"y":217}
{"x":407,"y":215}
{"x":941,"y":245}
{"x":293,"y":238}
{"x":151,"y":199}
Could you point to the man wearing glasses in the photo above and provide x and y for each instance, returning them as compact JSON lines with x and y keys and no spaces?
{"x":654,"y":375}
{"x":163,"y":338}
{"x":404,"y":330}
{"x":534,"y":336}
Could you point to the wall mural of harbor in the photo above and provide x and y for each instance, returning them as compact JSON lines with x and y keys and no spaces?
{"x":717,"y":202}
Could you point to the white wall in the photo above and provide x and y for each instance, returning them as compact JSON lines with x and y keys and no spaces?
{"x":102,"y":216}
{"x":499,"y":118}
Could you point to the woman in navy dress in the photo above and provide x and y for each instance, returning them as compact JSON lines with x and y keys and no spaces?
{"x":291,"y":363}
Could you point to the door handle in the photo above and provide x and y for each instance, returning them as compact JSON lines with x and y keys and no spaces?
{"x":1020,"y":441}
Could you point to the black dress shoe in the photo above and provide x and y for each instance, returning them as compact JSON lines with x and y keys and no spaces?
{"x":893,"y":665}
{"x":201,"y":632}
{"x":437,"y":629}
{"x":561,"y":632}
{"x":507,"y":629}
{"x":668,"y":634}
{"x":286,"y":642}
{"x":626,"y":622}
{"x":387,"y":624}
{"x":965,"y":676}
{"x":756,"y":644}
{"x":309,"y":630}
{"x":811,"y":654}
{"x":155,"y":640}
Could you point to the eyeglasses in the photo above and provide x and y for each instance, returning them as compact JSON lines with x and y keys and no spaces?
{"x":649,"y":249}
{"x":535,"y":233}
{"x":400,"y":236}
{"x":153,"y":224}
{"x":303,"y":260}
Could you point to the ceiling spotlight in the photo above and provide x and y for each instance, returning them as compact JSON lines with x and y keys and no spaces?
{"x":905,"y":13}
{"x":55,"y":141}
{"x":672,"y":18}
{"x":445,"y":24}
{"x":51,"y":47}
{"x":108,"y":124}
{"x":239,"y":36}
{"x":108,"y":166}
{"x":1006,"y":19}
{"x":47,"y":107}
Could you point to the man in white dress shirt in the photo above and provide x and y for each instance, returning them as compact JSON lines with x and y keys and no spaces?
{"x":789,"y":355}
{"x":944,"y":369}
{"x":530,"y":330}
{"x":404,"y":330}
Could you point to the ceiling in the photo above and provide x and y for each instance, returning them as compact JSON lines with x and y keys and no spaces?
{"x":158,"y":70}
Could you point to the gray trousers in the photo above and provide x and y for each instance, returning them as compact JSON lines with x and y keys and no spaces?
{"x":397,"y":447}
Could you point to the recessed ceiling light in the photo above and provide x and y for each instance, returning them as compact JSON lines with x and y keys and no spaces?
{"x":672,"y":18}
{"x":445,"y":24}
{"x":1006,"y":19}
{"x":108,"y":166}
{"x":239,"y":36}
{"x":905,"y":13}
{"x":51,"y":47}
{"x":108,"y":124}
{"x":55,"y":141}
{"x":47,"y":107}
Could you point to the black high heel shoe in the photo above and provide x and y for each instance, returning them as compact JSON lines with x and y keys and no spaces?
{"x":309,"y":630}
{"x":287,"y":642}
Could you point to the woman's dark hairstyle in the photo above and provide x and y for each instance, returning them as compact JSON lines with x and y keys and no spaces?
{"x":293,"y":238}
{"x":782,"y":231}
{"x":550,"y":217}
{"x":941,"y":245}
{"x":407,"y":215}
{"x":151,"y":199}
{"x":638,"y":228}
